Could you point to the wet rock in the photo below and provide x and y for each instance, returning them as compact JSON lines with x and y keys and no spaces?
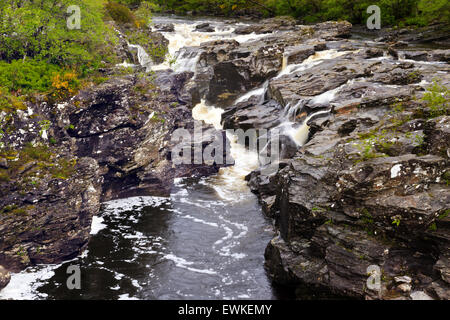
{"x":439,"y":55}
{"x":397,"y":76}
{"x":5,"y":277}
{"x":114,"y":140}
{"x":393,"y":52}
{"x":404,"y":288}
{"x":416,"y":55}
{"x":204,"y":27}
{"x":370,"y":53}
{"x":314,"y":81}
{"x":402,"y":279}
{"x":247,"y":115}
{"x":130,"y":133}
{"x":439,"y":290}
{"x":168,"y":27}
{"x":50,"y":237}
{"x":341,"y":29}
{"x":226,"y":68}
{"x":298,"y":54}
{"x":435,"y":33}
{"x":282,"y":23}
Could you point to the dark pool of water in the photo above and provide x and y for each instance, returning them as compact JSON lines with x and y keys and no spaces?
{"x":192,"y":245}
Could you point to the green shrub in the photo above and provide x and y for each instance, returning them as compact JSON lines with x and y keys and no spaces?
{"x":437,"y":98}
{"x":120,"y":13}
{"x":404,"y":12}
{"x":28,"y":75}
{"x":37,"y":30}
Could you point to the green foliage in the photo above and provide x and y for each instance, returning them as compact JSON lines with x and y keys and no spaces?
{"x":38,"y":30}
{"x":373,"y":142}
{"x":444,"y":215}
{"x":434,"y":10}
{"x":145,"y":11}
{"x":155,"y":51}
{"x":36,"y":43}
{"x":9,"y":103}
{"x":396,"y":221}
{"x":401,"y":12}
{"x":366,"y":217}
{"x":31,"y":163}
{"x":437,"y":98}
{"x":25,"y":76}
{"x":120,"y":13}
{"x":433,"y":227}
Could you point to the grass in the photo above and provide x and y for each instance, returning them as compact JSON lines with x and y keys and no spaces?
{"x":437,"y":99}
{"x":396,"y":222}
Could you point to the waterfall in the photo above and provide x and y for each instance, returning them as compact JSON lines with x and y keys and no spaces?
{"x":143,"y":58}
{"x":284,"y":63}
{"x":186,"y":36}
{"x":300,"y":135}
{"x":230,"y":182}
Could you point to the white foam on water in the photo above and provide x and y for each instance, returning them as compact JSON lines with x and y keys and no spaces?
{"x":211,"y":224}
{"x":230,"y":182}
{"x":24,"y":285}
{"x":325,"y":97}
{"x":182,"y":263}
{"x":256,"y":92}
{"x":186,"y":36}
{"x":128,"y":204}
{"x":311,"y":61}
{"x":126,"y":296}
{"x":125,"y":64}
{"x":208,"y":114}
{"x":143,"y":57}
{"x":97,"y":225}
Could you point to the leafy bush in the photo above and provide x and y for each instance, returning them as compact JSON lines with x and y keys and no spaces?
{"x":120,"y":13}
{"x":38,"y":30}
{"x":406,"y":12}
{"x":145,"y":11}
{"x":64,"y":84}
{"x":437,"y":98}
{"x":9,"y":103}
{"x":29,"y":75}
{"x":435,"y":10}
